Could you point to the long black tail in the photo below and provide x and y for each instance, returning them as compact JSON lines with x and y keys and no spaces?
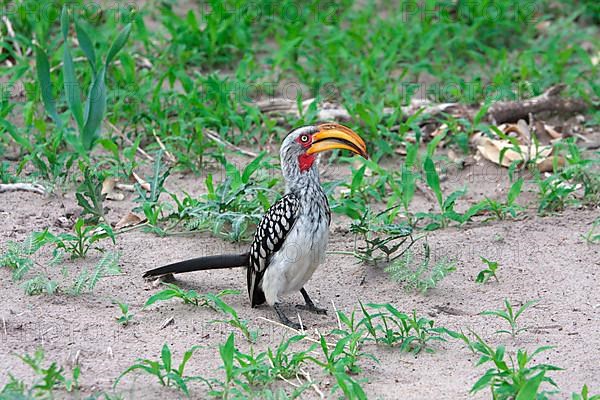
{"x":202,"y":263}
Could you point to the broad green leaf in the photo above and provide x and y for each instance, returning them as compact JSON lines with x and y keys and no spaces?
{"x":69,"y":78}
{"x":43,"y":74}
{"x":118,"y":44}
{"x":86,"y":45}
{"x":165,"y":355}
{"x":530,"y":389}
{"x":161,"y":296}
{"x":433,"y":180}
{"x":95,"y":109}
{"x":515,"y":191}
{"x":253,"y":166}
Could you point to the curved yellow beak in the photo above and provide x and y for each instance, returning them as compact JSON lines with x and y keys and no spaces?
{"x":335,"y":136}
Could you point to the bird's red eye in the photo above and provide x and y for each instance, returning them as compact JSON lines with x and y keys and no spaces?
{"x":304,"y":138}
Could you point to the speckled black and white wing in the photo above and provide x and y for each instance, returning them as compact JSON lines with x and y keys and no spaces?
{"x":268,"y":239}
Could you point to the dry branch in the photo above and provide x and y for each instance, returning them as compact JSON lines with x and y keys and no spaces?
{"x":499,"y":112}
{"x":549,"y":101}
{"x":25,"y":187}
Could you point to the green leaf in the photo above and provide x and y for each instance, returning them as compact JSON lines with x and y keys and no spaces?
{"x":165,"y":355}
{"x":86,"y":45}
{"x":530,"y":389}
{"x":433,"y":180}
{"x":118,"y":44}
{"x":252,"y":167}
{"x":161,"y":296}
{"x":95,"y":109}
{"x":43,"y":73}
{"x":514,"y":191}
{"x":69,"y":79}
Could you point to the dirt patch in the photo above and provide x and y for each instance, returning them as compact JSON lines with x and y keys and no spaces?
{"x":540,"y":258}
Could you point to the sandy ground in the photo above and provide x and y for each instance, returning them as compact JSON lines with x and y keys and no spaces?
{"x":540,"y":258}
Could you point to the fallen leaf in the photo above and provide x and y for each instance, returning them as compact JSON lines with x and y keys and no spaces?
{"x":128,"y":220}
{"x":108,"y":189}
{"x":491,"y":149}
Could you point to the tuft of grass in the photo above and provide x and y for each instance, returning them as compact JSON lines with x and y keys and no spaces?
{"x":164,"y":370}
{"x":512,"y":378}
{"x":126,"y":317}
{"x":46,"y":380}
{"x":490,"y":272}
{"x":187,"y":296}
{"x":421,"y":276}
{"x":510,"y":316}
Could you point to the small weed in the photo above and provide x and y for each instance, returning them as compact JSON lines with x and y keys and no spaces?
{"x":446,"y":205}
{"x":383,"y":239}
{"x":510,"y":316}
{"x":164,"y":370}
{"x":86,"y":281}
{"x":126,"y":317}
{"x":187,"y":296}
{"x":234,"y":206}
{"x":490,"y":272}
{"x":46,"y":380}
{"x":337,"y":363}
{"x":149,"y":200}
{"x":84,"y":237}
{"x":584,"y":395}
{"x":512,"y":380}
{"x":89,"y":197}
{"x":394,"y":328}
{"x":423,"y":276}
{"x":592,"y":236}
{"x":246,"y":375}
{"x":502,"y":210}
{"x":235,"y":322}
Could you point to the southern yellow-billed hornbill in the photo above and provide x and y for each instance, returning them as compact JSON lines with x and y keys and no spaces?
{"x":290,"y":241}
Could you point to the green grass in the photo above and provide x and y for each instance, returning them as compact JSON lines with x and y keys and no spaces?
{"x":166,"y":90}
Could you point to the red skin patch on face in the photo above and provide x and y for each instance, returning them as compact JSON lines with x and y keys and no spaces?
{"x":305,"y":161}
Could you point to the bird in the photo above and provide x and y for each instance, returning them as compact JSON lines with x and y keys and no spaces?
{"x":291,"y":239}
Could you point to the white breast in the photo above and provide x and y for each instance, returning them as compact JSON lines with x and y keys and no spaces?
{"x":294,"y":264}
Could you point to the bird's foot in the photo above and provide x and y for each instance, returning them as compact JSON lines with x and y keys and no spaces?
{"x":284,"y":319}
{"x":312,"y":308}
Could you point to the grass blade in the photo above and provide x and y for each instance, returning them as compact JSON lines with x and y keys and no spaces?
{"x":95,"y":109}
{"x":118,"y":44}
{"x":43,"y":73}
{"x":69,"y":80}
{"x":86,"y":45}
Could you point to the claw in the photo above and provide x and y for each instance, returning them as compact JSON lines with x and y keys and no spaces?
{"x":312,"y":308}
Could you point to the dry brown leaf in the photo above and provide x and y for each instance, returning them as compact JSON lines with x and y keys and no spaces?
{"x":108,"y":189}
{"x":552,"y":132}
{"x":547,"y":165}
{"x":491,"y":149}
{"x":128,"y":220}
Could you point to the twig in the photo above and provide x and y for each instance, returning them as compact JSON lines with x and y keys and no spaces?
{"x":125,"y":138}
{"x":167,"y":322}
{"x":162,"y":146}
{"x":60,"y":64}
{"x":306,"y":376}
{"x":295,"y":330}
{"x":26,"y":187}
{"x":11,"y":34}
{"x":337,"y":315}
{"x":550,"y":100}
{"x":215,"y":137}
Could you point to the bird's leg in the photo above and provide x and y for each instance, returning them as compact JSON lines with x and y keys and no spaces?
{"x":284,"y":319}
{"x":310,"y":306}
